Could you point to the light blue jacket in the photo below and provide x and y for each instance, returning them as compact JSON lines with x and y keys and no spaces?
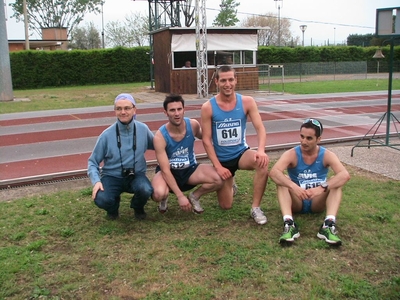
{"x":106,"y":150}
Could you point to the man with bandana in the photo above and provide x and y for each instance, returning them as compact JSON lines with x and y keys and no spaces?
{"x":121,"y":150}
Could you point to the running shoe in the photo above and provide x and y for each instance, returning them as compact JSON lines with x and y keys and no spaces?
{"x":163,"y":206}
{"x":195,"y":204}
{"x":328,"y":233}
{"x":258,"y":215}
{"x":290,"y":232}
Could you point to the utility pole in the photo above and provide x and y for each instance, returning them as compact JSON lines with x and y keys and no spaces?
{"x":279,"y":22}
{"x":201,"y":49}
{"x":6,"y":92}
{"x":27,"y":47}
{"x":102,"y":25}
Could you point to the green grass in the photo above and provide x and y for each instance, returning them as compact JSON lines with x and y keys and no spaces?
{"x":60,"y":246}
{"x":99,"y":95}
{"x":337,"y":86}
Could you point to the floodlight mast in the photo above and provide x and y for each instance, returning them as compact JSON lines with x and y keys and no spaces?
{"x":201,"y":49}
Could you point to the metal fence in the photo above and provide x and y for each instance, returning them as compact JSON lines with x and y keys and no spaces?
{"x":323,"y":71}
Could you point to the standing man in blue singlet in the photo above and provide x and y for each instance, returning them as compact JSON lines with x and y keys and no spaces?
{"x":307,"y":189}
{"x":224,"y":120}
{"x":178,"y":170}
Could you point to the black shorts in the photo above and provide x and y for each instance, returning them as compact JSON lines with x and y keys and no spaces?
{"x":182,"y":176}
{"x":233,"y":164}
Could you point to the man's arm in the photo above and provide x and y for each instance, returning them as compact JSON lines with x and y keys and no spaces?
{"x":288,"y":159}
{"x":252,"y":111}
{"x":196,"y":129}
{"x":163,"y":161}
{"x":206,"y":124}
{"x":341,"y":173}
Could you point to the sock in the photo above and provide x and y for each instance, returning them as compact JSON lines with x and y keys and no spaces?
{"x":287,"y":217}
{"x":330,"y":217}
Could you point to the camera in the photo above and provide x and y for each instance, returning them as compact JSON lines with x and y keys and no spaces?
{"x":128,"y":172}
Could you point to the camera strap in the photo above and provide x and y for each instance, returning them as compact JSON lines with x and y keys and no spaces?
{"x":133,"y":146}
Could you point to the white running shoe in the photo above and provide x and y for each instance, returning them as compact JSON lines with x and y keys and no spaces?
{"x":258,"y":215}
{"x":195,"y":204}
{"x":163,"y":206}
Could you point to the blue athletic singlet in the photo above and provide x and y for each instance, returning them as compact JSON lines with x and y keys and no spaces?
{"x":180,"y":154}
{"x":309,"y":176}
{"x":228,"y":130}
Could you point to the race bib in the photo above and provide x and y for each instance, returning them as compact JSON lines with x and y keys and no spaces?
{"x":311,"y":183}
{"x":229,"y":133}
{"x":179,"y":162}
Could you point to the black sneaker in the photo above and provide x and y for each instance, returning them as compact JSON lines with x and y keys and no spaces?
{"x":112,"y":216}
{"x":140,"y":214}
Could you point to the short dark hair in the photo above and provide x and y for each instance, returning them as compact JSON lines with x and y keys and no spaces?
{"x":173,"y":98}
{"x":314,"y":124}
{"x":224,"y":69}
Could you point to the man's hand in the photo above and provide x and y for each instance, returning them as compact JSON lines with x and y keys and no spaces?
{"x":300,"y":192}
{"x":224,"y":173}
{"x":98,"y":186}
{"x":314,"y":192}
{"x":184,"y":203}
{"x":261,"y":158}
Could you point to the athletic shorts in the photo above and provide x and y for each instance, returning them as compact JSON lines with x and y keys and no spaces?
{"x":233,"y":164}
{"x":182,"y":176}
{"x":306,"y":209}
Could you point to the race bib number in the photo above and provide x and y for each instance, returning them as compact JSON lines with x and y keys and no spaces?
{"x":229,"y":133}
{"x":179,"y":162}
{"x":309,"y":184}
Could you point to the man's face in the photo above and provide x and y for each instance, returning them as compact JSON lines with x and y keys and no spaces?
{"x":124,"y":110}
{"x":175,"y":112}
{"x":226,"y":83}
{"x":308,"y":139}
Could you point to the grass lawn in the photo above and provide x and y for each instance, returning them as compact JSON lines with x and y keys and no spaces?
{"x":60,"y":246}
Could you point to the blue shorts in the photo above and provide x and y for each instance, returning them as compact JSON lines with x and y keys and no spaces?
{"x":306,"y":207}
{"x":182,"y":176}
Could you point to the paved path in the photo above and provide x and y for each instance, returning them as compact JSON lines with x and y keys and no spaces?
{"x":49,"y":143}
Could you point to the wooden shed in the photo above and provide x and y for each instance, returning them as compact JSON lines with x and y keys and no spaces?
{"x":173,"y":46}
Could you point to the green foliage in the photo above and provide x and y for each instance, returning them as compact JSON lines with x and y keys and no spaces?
{"x":36,"y":69}
{"x":227,"y":16}
{"x":59,"y":14}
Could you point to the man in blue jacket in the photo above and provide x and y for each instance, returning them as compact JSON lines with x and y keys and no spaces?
{"x":121,"y":148}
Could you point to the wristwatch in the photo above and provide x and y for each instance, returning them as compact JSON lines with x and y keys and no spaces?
{"x":324,"y":185}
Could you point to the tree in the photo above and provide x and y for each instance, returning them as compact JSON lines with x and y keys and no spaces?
{"x":85,"y":37}
{"x":134,"y":31}
{"x":55,"y":13}
{"x":270,"y":37}
{"x":227,"y":15}
{"x":188,"y":12}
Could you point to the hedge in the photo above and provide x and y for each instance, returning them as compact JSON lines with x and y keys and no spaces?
{"x":38,"y":69}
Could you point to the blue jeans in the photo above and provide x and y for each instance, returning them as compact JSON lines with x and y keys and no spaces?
{"x":109,"y":199}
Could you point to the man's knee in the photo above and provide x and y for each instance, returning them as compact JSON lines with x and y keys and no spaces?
{"x":103,"y":200}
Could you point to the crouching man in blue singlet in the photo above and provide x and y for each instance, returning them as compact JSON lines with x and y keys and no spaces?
{"x":307,"y":189}
{"x":224,"y":120}
{"x":178,"y":170}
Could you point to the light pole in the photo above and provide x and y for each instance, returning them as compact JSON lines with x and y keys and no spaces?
{"x":279,"y":21}
{"x":334,"y":36}
{"x":303,"y":28}
{"x":102,"y":25}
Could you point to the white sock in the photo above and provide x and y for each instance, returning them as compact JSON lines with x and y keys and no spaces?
{"x":285,"y":217}
{"x":331,"y":217}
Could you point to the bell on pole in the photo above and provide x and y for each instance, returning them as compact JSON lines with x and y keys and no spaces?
{"x":378,"y":54}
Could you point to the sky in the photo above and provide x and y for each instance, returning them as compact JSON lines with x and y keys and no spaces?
{"x":328,"y":21}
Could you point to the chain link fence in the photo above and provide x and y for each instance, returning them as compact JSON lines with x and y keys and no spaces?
{"x":322,"y":71}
